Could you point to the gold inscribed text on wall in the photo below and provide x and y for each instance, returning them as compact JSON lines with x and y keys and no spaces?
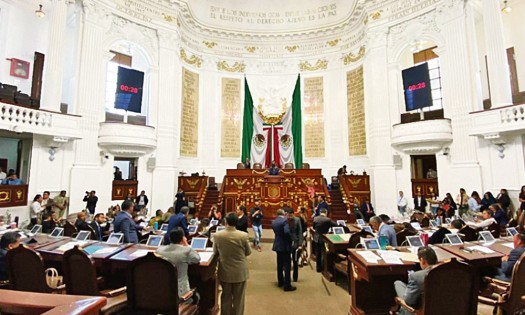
{"x":189,"y":127}
{"x":231,"y":118}
{"x":313,"y":113}
{"x":356,"y":112}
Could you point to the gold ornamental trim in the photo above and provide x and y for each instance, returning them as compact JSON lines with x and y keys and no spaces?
{"x":292,"y":48}
{"x":192,"y":182}
{"x":333,"y":43}
{"x":237,"y":66}
{"x":353,"y":58}
{"x":168,"y":18}
{"x":259,"y":172}
{"x":288,"y":172}
{"x":376,"y":15}
{"x":194,"y":60}
{"x":251,"y":49}
{"x":321,"y":64}
{"x":271,"y":119}
{"x":210,"y":45}
{"x":4,"y":195}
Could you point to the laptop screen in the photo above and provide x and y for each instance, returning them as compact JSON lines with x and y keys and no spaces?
{"x":371,"y":243}
{"x":192,"y":229}
{"x":164,"y":227}
{"x":416,"y":225}
{"x":338,"y":230}
{"x":487,"y":236}
{"x":368,"y":229}
{"x":220,"y":228}
{"x":454,"y":239}
{"x":36,"y":229}
{"x":512,"y":231}
{"x":214,"y":222}
{"x":154,"y":240}
{"x":115,"y":238}
{"x":57,"y":232}
{"x":414,"y":241}
{"x":360,"y":221}
{"x":341,"y":222}
{"x":83,"y":236}
{"x":199,"y":243}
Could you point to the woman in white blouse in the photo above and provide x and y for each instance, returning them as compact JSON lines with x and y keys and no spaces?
{"x":35,"y":208}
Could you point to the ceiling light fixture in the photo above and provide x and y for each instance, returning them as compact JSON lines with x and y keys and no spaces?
{"x":506,"y":8}
{"x":40,"y":13}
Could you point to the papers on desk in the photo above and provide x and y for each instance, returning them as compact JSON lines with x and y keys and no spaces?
{"x":369,"y":256}
{"x":480,"y":249}
{"x":509,"y":245}
{"x":391,"y":256}
{"x":345,"y":237}
{"x":205,"y":256}
{"x":140,"y":253}
{"x":69,"y":246}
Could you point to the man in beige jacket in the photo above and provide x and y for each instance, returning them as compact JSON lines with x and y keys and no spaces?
{"x":232,"y":246}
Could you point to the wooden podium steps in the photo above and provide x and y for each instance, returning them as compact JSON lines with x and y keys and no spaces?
{"x":212,"y":197}
{"x":337,"y":209}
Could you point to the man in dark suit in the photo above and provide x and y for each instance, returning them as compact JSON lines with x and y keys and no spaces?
{"x":96,"y":225}
{"x":321,"y":225}
{"x":367,"y":209}
{"x":282,"y":245}
{"x":142,"y":200}
{"x":508,"y":261}
{"x":9,"y":240}
{"x":124,"y":223}
{"x":413,"y":291}
{"x":178,"y":220}
{"x":91,"y":201}
{"x":296,"y":234}
{"x":81,"y":223}
{"x":274,"y":170}
{"x":321,"y":205}
{"x":420,"y":203}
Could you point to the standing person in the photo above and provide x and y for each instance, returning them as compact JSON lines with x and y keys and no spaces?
{"x":321,"y":205}
{"x":180,"y":219}
{"x":282,"y":245}
{"x":9,"y":240}
{"x":367,"y":209}
{"x":420,"y":203}
{"x":2,"y":174}
{"x":450,"y":205}
{"x":142,"y":200}
{"x":179,"y":200}
{"x":402,"y":203}
{"x":45,"y":199}
{"x":36,"y":208}
{"x":462,"y":202}
{"x":180,"y":255}
{"x":296,"y":234}
{"x":232,"y":247}
{"x":504,"y":200}
{"x":124,"y":223}
{"x":412,"y":291}
{"x":521,"y":199}
{"x":256,"y":214}
{"x":242,"y":223}
{"x":214,"y":214}
{"x":60,"y":204}
{"x":91,"y":201}
{"x":434,"y":203}
{"x":321,"y":225}
{"x":341,"y":171}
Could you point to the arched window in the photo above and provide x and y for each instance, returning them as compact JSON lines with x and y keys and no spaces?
{"x":127,"y":84}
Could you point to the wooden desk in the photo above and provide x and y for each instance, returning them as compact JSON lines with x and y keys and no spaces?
{"x":497,"y":246}
{"x":41,"y":240}
{"x":476,"y":259}
{"x":202,"y":276}
{"x":29,"y":303}
{"x":334,"y":244}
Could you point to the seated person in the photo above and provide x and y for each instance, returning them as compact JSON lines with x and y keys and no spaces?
{"x":48,"y":222}
{"x":157,"y":218}
{"x":383,"y":229}
{"x":421,"y":218}
{"x":341,"y":171}
{"x":9,"y":240}
{"x":81,"y":223}
{"x":508,"y":261}
{"x":203,"y":226}
{"x":438,"y":236}
{"x":274,"y":170}
{"x":11,"y":179}
{"x":180,"y":254}
{"x":488,"y":219}
{"x":411,"y":293}
{"x":499,"y":214}
{"x":100,"y":226}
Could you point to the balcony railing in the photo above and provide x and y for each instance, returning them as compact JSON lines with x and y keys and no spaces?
{"x":496,"y":122}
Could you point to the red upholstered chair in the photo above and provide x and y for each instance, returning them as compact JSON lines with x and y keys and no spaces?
{"x":158,"y":296}
{"x":257,"y":166}
{"x":240,"y":166}
{"x":26,"y":270}
{"x":438,"y":290}
{"x":80,"y":277}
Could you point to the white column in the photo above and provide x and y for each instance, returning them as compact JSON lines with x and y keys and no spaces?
{"x":378,"y":121}
{"x":54,"y":64}
{"x":168,"y":121}
{"x":498,"y":68}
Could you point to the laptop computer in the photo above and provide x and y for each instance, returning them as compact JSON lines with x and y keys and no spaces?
{"x":338,"y":230}
{"x":83,"y":236}
{"x":433,"y":223}
{"x":414,"y":241}
{"x":57,"y":232}
{"x":37,"y":228}
{"x":164,"y":227}
{"x":115,"y":238}
{"x":360,"y":222}
{"x":341,"y":222}
{"x":154,"y":240}
{"x":511,"y":231}
{"x":368,"y":229}
{"x":214,"y":222}
{"x":192,"y":229}
{"x":220,"y":228}
{"x":416,"y":225}
{"x":370,"y":243}
{"x":486,"y":236}
{"x":454,"y":239}
{"x":199,"y":243}
{"x":448,"y":220}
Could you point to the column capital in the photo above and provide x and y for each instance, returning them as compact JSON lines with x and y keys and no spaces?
{"x":168,"y":39}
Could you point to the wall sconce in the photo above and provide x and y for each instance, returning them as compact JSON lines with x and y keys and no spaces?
{"x":506,"y":8}
{"x":52,"y":151}
{"x":40,"y":13}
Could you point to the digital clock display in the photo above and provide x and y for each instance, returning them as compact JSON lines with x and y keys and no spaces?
{"x":128,"y":94}
{"x":416,"y":83}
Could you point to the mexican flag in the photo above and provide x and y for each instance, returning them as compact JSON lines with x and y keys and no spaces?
{"x":281,"y":141}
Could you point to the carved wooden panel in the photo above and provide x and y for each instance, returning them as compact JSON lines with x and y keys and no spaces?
{"x":13,"y":195}
{"x":123,"y":188}
{"x":425,"y":187}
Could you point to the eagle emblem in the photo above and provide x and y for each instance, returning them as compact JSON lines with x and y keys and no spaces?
{"x":286,"y":141}
{"x":259,"y":140}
